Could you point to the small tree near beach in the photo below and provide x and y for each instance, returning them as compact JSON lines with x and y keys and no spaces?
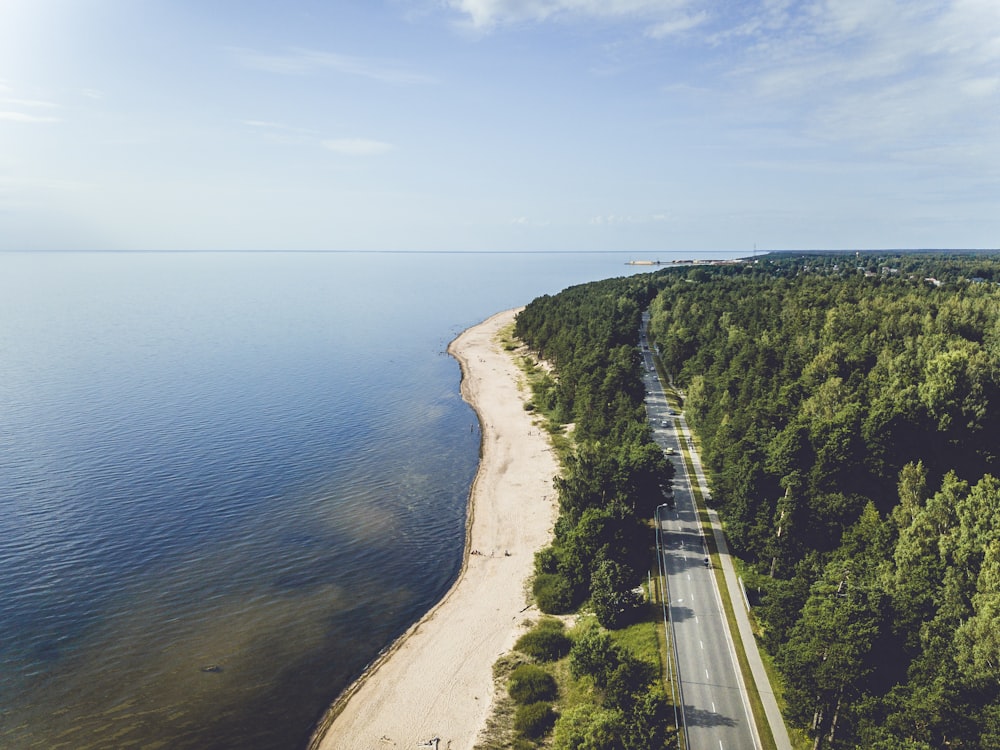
{"x":530,"y":683}
{"x":547,"y":641}
{"x":534,"y":719}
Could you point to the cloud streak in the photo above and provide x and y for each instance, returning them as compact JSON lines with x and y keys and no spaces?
{"x":677,"y":25}
{"x":667,"y":16}
{"x":875,"y":76}
{"x":879,"y":73}
{"x":16,"y":106}
{"x":35,"y":103}
{"x":11,"y":116}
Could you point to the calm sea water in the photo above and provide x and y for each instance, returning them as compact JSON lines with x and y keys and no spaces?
{"x":228,"y":480}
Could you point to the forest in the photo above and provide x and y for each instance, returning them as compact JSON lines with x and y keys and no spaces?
{"x":847,"y":407}
{"x":611,"y":481}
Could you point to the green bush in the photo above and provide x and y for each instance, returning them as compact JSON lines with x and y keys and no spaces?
{"x":588,"y":727}
{"x":627,"y":681}
{"x":530,"y":684}
{"x":534,"y":719}
{"x":546,"y":642}
{"x":553,"y":594}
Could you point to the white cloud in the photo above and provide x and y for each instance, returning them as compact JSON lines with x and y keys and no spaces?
{"x":17,"y":105}
{"x":677,"y":25}
{"x":24,"y":117}
{"x":303,"y":61}
{"x":35,"y":103}
{"x":485,"y":14}
{"x":357,"y":146}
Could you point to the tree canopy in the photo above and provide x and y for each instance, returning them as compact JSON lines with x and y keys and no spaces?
{"x":611,"y":481}
{"x":848,"y":411}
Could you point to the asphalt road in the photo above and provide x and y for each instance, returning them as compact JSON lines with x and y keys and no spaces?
{"x":716,"y":710}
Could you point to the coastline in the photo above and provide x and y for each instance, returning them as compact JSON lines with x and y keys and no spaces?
{"x":435,"y":681}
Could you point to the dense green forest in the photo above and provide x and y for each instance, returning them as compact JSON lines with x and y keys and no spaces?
{"x":611,"y":481}
{"x":848,"y":412}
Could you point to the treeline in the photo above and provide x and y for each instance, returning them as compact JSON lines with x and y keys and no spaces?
{"x":847,"y":408}
{"x":611,"y":481}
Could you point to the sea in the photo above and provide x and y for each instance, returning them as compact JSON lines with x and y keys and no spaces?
{"x":229,"y":480}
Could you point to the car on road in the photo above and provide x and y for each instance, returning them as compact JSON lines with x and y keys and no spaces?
{"x":670,"y":451}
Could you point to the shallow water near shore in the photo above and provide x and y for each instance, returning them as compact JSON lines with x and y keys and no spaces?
{"x":227,"y":480}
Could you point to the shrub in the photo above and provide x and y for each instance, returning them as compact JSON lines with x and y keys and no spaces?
{"x":553,"y":593}
{"x":628,"y":680}
{"x":588,"y":727}
{"x":534,"y":719}
{"x":530,"y":684}
{"x":546,"y":642}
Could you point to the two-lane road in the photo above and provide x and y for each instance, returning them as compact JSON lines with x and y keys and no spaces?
{"x":716,"y":709}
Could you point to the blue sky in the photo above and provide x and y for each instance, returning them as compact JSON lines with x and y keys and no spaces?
{"x":637,"y":125}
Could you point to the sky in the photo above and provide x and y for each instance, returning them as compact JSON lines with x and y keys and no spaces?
{"x":646,"y":126}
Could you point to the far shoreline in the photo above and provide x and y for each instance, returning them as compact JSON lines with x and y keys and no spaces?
{"x":435,"y":680}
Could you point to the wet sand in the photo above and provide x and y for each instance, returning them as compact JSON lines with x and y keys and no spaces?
{"x":435,"y":681}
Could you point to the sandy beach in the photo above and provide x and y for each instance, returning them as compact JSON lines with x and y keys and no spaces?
{"x":435,"y":682}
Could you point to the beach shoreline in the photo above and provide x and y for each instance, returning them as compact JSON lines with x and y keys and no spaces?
{"x":435,"y":681}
